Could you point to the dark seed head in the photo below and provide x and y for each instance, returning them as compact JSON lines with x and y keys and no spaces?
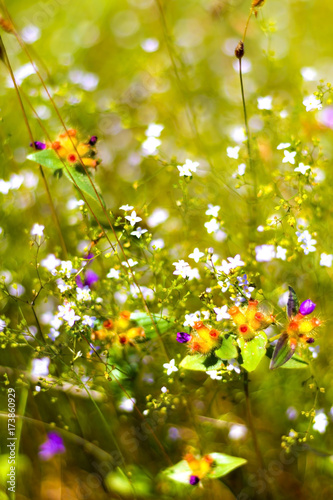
{"x":239,"y":50}
{"x":93,"y":140}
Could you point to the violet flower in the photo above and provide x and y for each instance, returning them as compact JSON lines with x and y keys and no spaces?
{"x":93,"y":140}
{"x":54,"y":445}
{"x":90,"y":277}
{"x":38,"y":145}
{"x":183,"y":337}
{"x":194,"y":480}
{"x":307,"y":307}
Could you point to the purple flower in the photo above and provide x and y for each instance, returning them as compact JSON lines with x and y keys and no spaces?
{"x":183,"y":337}
{"x":93,"y":140}
{"x":54,"y":445}
{"x":307,"y":307}
{"x":39,"y":145}
{"x":93,"y":349}
{"x":310,"y":340}
{"x":194,"y":480}
{"x":90,"y":278}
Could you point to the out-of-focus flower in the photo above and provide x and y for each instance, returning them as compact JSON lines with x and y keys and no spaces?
{"x":40,"y":367}
{"x":302,"y":169}
{"x":326,"y":260}
{"x":233,"y":152}
{"x":265,"y":102}
{"x":54,"y":445}
{"x":283,"y":145}
{"x":51,"y":262}
{"x":289,"y":157}
{"x":37,"y":230}
{"x":196,"y":255}
{"x":237,"y":432}
{"x":214,"y":375}
{"x":213,"y":210}
{"x":139,"y":232}
{"x":221,"y":313}
{"x":127,"y":404}
{"x":69,"y":149}
{"x":320,"y":422}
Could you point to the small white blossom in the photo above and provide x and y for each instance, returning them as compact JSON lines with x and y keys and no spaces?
{"x":51,"y":262}
{"x":302,"y":168}
{"x":164,"y":389}
{"x":265,"y":102}
{"x":37,"y":230}
{"x":150,"y":145}
{"x":283,"y":145}
{"x":281,"y":253}
{"x":133,"y":218}
{"x":214,"y":374}
{"x":40,"y":367}
{"x":233,"y":366}
{"x":188,"y":168}
{"x":312,"y":102}
{"x":326,"y":260}
{"x":309,"y":74}
{"x":182,"y":268}
{"x":62,"y":286}
{"x":221,"y":313}
{"x":196,"y":255}
{"x":139,"y":232}
{"x":320,"y":422}
{"x":2,"y":325}
{"x":212,"y":226}
{"x":66,"y":267}
{"x":233,"y":152}
{"x":237,"y":432}
{"x":83,"y":294}
{"x":265,"y":253}
{"x":129,"y":263}
{"x":213,"y":210}
{"x":157,"y":244}
{"x":158,"y":216}
{"x":289,"y":157}
{"x":154,"y":130}
{"x":67,"y":313}
{"x":113,"y":273}
{"x":170,"y":367}
{"x":190,"y":319}
{"x":126,"y":208}
{"x":88,"y":320}
{"x":127,"y":404}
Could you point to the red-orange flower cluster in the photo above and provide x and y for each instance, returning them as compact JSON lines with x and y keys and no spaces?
{"x":203,"y":338}
{"x":69,"y":149}
{"x":249,"y":320}
{"x":119,"y":331}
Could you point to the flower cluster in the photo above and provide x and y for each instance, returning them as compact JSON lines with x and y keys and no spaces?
{"x":249,"y":320}
{"x":203,"y":338}
{"x":120,"y":331}
{"x":301,"y":326}
{"x":200,"y":467}
{"x":69,"y":149}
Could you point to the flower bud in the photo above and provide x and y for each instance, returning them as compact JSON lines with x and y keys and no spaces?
{"x":239,"y":50}
{"x":307,"y":307}
{"x":183,"y":337}
{"x":194,"y":480}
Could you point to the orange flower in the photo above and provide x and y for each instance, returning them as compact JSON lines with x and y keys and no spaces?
{"x":69,"y":149}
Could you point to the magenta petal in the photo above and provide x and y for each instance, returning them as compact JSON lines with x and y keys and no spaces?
{"x":307,"y":307}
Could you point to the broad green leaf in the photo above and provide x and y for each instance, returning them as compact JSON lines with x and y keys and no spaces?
{"x":144,"y":320}
{"x":282,"y":353}
{"x":48,"y":158}
{"x":293,"y":304}
{"x":296,"y":362}
{"x":199,"y":362}
{"x":228,"y":350}
{"x":252,"y":351}
{"x":180,"y":472}
{"x":139,"y":484}
{"x":223,"y":464}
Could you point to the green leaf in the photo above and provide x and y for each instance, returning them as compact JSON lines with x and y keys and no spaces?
{"x":228,"y":350}
{"x":140,"y":484}
{"x":48,"y":158}
{"x":282,"y":353}
{"x":296,"y":362}
{"x":223,"y":464}
{"x":202,"y":363}
{"x":144,"y":320}
{"x":252,"y":351}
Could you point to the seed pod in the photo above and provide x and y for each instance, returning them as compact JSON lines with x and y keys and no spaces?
{"x":6,"y":25}
{"x":257,"y":3}
{"x":239,"y":50}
